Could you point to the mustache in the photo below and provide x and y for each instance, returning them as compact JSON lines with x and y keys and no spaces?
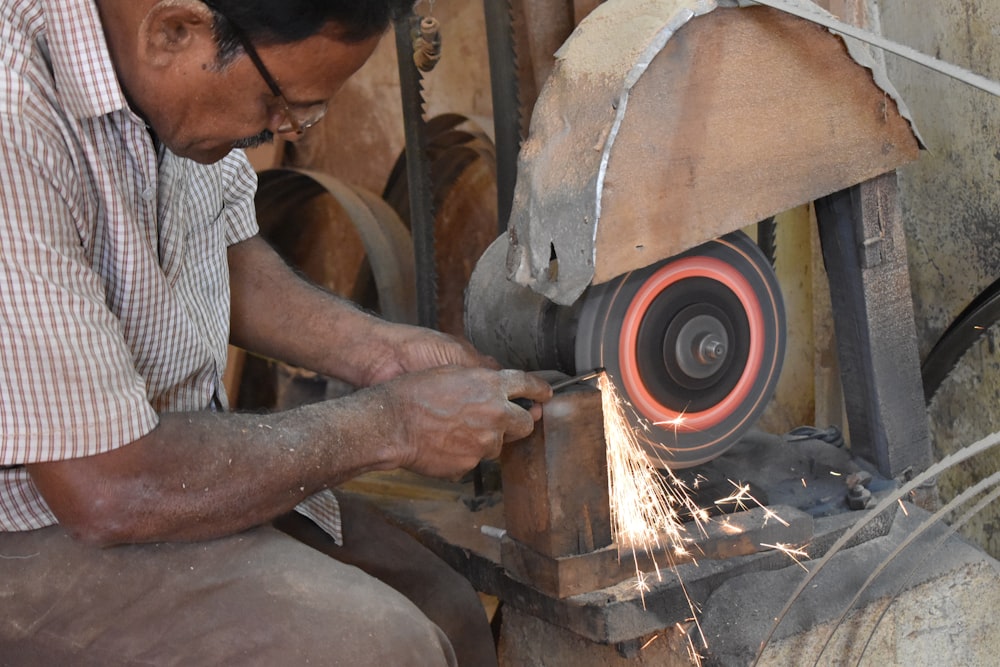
{"x":259,"y":139}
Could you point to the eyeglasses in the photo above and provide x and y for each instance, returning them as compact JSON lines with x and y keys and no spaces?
{"x":294,"y":122}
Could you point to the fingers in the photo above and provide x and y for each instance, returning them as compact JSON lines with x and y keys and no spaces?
{"x":518,"y":384}
{"x":427,"y":349}
{"x":454,"y":416}
{"x":520,"y":422}
{"x":525,"y":393}
{"x":473,"y":358}
{"x":495,"y":450}
{"x":489,"y":362}
{"x":524,"y":426}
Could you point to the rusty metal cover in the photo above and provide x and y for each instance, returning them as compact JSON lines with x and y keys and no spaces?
{"x":667,"y":123}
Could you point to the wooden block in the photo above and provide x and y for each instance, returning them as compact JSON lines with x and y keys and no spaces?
{"x":724,"y":537}
{"x":555,"y":482}
{"x":744,"y":114}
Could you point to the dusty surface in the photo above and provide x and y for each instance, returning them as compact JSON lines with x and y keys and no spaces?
{"x":931,"y":600}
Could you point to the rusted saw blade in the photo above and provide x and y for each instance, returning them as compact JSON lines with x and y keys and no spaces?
{"x":506,"y":101}
{"x":421,"y":191}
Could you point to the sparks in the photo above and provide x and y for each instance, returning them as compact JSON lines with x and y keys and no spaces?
{"x":642,"y":582}
{"x":644,"y":500}
{"x":641,"y":510}
{"x":770,"y":514}
{"x":795,"y":553}
{"x":645,"y":504}
{"x":692,"y":650}
{"x":677,"y":423}
{"x":730,"y":529}
{"x":740,"y":498}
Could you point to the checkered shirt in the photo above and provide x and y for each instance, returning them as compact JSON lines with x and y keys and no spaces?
{"x":114,"y":290}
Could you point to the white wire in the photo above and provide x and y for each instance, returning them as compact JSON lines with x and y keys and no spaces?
{"x":936,"y":64}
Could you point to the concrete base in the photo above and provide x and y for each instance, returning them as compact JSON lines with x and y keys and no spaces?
{"x":930,"y":605}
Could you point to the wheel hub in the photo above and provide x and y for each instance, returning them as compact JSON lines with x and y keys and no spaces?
{"x":700,"y":348}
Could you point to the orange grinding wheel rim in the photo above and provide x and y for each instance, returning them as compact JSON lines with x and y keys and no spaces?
{"x":693,"y":343}
{"x":642,"y":399}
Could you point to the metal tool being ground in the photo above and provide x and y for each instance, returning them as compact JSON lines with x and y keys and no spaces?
{"x":560,"y":384}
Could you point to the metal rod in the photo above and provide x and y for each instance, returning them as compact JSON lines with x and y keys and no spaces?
{"x":562,"y":384}
{"x":946,"y":68}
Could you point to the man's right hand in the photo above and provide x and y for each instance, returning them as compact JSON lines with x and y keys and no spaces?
{"x":443,"y":421}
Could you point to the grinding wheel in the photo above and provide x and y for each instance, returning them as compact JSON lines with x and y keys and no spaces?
{"x":694,"y":343}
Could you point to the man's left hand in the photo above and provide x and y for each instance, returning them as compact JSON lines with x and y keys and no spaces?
{"x":407,"y":349}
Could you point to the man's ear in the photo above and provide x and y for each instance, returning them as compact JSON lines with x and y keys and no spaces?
{"x":172,"y":28}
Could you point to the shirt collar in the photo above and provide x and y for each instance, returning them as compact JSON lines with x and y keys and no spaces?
{"x":81,"y":63}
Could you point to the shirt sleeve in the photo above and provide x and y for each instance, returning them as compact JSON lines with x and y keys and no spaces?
{"x":323,"y":509}
{"x":68,"y":387}
{"x":240,"y":188}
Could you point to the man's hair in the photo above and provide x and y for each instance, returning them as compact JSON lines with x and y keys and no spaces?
{"x":269,"y":22}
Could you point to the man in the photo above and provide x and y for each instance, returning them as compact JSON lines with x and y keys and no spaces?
{"x":128,"y":259}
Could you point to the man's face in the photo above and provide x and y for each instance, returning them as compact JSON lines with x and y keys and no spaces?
{"x":205,"y":111}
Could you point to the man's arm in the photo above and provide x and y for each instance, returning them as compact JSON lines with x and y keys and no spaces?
{"x":279,"y":315}
{"x":202,"y":475}
{"x":436,"y":408}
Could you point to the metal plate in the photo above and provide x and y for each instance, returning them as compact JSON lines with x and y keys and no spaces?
{"x":694,"y":343}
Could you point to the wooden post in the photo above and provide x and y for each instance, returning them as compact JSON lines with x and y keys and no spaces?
{"x":864,"y":249}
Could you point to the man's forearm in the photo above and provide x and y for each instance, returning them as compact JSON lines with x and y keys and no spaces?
{"x":278,"y":314}
{"x":202,"y":475}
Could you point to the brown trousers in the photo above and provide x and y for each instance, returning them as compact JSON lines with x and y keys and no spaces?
{"x":257,"y":598}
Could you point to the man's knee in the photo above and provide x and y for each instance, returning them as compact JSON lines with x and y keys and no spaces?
{"x":389,"y":554}
{"x":256,"y":598}
{"x":372,"y":624}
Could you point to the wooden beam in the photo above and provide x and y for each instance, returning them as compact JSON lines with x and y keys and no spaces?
{"x":864,"y":249}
